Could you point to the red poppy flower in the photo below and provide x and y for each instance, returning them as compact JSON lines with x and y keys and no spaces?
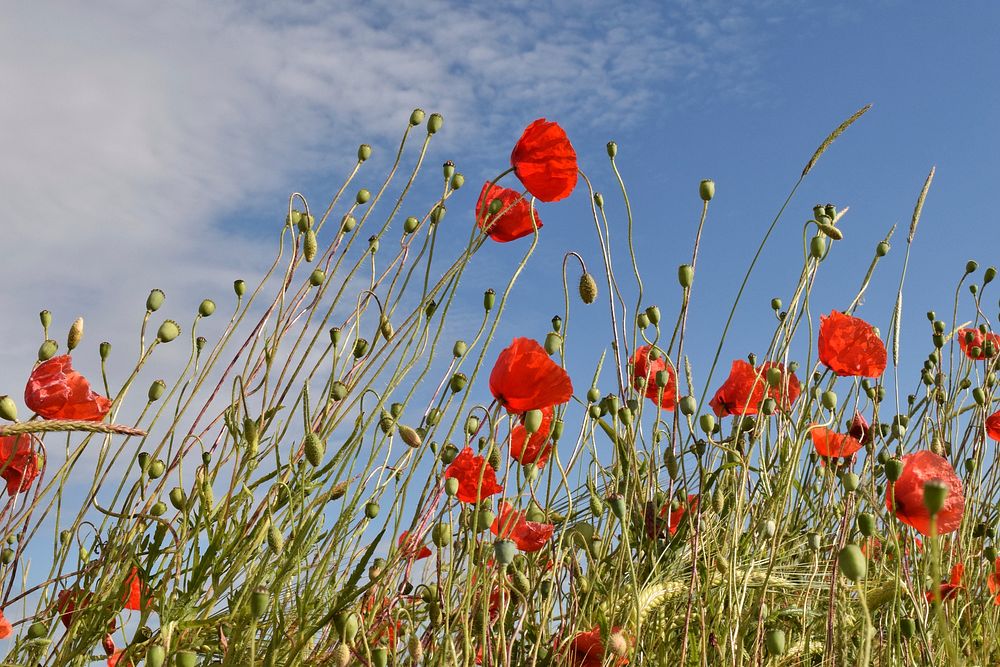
{"x":849,"y":346}
{"x":644,"y":367}
{"x":950,"y":588}
{"x":993,"y":426}
{"x":545,"y":161}
{"x":137,"y":594}
{"x":56,"y":391}
{"x":115,"y":657}
{"x":476,"y":477}
{"x":977,"y":345}
{"x":514,"y":219}
{"x":746,"y":388}
{"x":657,"y":523}
{"x":19,"y":464}
{"x":587,"y":650}
{"x":529,"y":536}
{"x":409,"y":549}
{"x":525,"y":378}
{"x":860,"y":430}
{"x":66,"y":603}
{"x":993,"y":581}
{"x":535,"y":449}
{"x":833,"y":445}
{"x":5,"y":627}
{"x":907,"y":494}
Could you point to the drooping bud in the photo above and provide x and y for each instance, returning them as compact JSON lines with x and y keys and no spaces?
{"x":385,"y":328}
{"x":155,"y":300}
{"x":588,"y":288}
{"x":75,"y":334}
{"x":409,"y":436}
{"x":817,"y":247}
{"x":310,"y":246}
{"x":315,"y":449}
{"x":168,"y":331}
{"x":275,"y":539}
{"x":706,"y":189}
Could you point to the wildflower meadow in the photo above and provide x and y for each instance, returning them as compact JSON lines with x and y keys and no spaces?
{"x":335,"y":480}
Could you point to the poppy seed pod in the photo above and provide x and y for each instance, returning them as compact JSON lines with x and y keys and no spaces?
{"x":851,"y":482}
{"x":315,"y":449}
{"x":434,"y":123}
{"x":373,"y":244}
{"x":893,"y":469}
{"x":459,"y":349}
{"x":817,"y":247}
{"x":310,"y":246}
{"x":8,"y":410}
{"x":989,"y":275}
{"x":451,"y":483}
{"x":410,"y":225}
{"x":156,"y":469}
{"x":168,"y":331}
{"x":706,"y":189}
{"x":553,"y":342}
{"x":155,"y":300}
{"x":775,"y":641}
{"x":532,"y":421}
{"x":504,"y":551}
{"x":347,"y":223}
{"x":599,"y":200}
{"x":416,"y":117}
{"x":685,"y":275}
{"x":853,"y":563}
{"x":441,"y":533}
{"x":385,"y":328}
{"x":364,"y":152}
{"x":158,"y":509}
{"x":829,"y":400}
{"x":47,"y":350}
{"x":75,"y":334}
{"x":653,"y":313}
{"x":688,"y":405}
{"x":707,"y":423}
{"x":360,"y":348}
{"x":612,"y":149}
{"x":593,"y":394}
{"x":971,"y":266}
{"x":239,"y":287}
{"x":362,"y":196}
{"x":641,"y":320}
{"x":45,"y":317}
{"x":588,"y":288}
{"x":458,"y":382}
{"x":177,"y":498}
{"x":935,"y":494}
{"x":206,"y":308}
{"x":437,"y":213}
{"x":489,"y":298}
{"x":866,"y":524}
{"x":457,"y":181}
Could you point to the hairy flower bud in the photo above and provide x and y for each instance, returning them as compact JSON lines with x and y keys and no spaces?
{"x":75,"y":334}
{"x":588,"y":288}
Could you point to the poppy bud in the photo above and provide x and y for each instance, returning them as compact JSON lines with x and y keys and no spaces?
{"x":360,"y":348}
{"x":341,"y":656}
{"x":813,"y":539}
{"x":907,"y":627}
{"x":866,"y":524}
{"x":409,"y":436}
{"x":450,"y":485}
{"x":489,"y":297}
{"x":504,"y":551}
{"x":410,"y":225}
{"x":893,"y":469}
{"x":46,"y":319}
{"x":347,"y":223}
{"x":935,"y":493}
{"x":707,"y":423}
{"x":688,"y":405}
{"x":852,"y":562}
{"x":685,"y":275}
{"x":775,"y":641}
{"x":168,"y":331}
{"x":315,"y":449}
{"x":177,"y":498}
{"x":457,"y":181}
{"x":380,"y":656}
{"x":612,"y":149}
{"x":532,"y":421}
{"x":437,"y":213}
{"x":599,"y":199}
{"x":434,"y":123}
{"x":706,"y":189}
{"x":617,"y":504}
{"x":553,"y":342}
{"x":971,"y":266}
{"x":979,"y":396}
{"x":829,"y":400}
{"x":817,"y":247}
{"x":416,"y":117}
{"x":275,"y":539}
{"x":588,"y":288}
{"x":310,"y":246}
{"x":47,"y":350}
{"x":653,"y":313}
{"x":371,"y":510}
{"x":385,"y":328}
{"x":155,"y":300}
{"x":458,"y":382}
{"x":830,"y":231}
{"x":75,"y":334}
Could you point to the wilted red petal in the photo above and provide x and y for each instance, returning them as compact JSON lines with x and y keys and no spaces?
{"x":525,"y":378}
{"x":974,"y":338}
{"x":537,"y":448}
{"x":644,"y":367}
{"x":476,"y":477}
{"x":56,"y":391}
{"x":407,"y":546}
{"x":860,"y":430}
{"x":514,"y":219}
{"x":511,"y":524}
{"x":19,"y":463}
{"x":831,"y":444}
{"x":908,"y":493}
{"x":849,"y":346}
{"x":545,"y":161}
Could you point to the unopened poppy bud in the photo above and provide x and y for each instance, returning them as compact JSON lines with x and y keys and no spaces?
{"x":385,"y":328}
{"x":362,"y":196}
{"x":47,"y":350}
{"x":707,"y":423}
{"x":532,"y":421}
{"x":599,"y":200}
{"x":935,"y":493}
{"x":893,"y":469}
{"x":360,"y":348}
{"x":458,"y":382}
{"x":829,"y":230}
{"x":688,"y":405}
{"x":75,"y":334}
{"x":451,"y":485}
{"x":817,"y":247}
{"x":177,"y":498}
{"x":437,"y":214}
{"x":612,"y":149}
{"x":386,"y":421}
{"x":617,"y":504}
{"x":971,"y":266}
{"x":489,"y":297}
{"x":347,"y":223}
{"x":416,"y":117}
{"x":8,"y":410}
{"x":685,"y":275}
{"x":459,"y":349}
{"x":457,"y":181}
{"x":774,"y":640}
{"x":409,"y":436}
{"x":155,"y":300}
{"x":305,"y":222}
{"x":46,"y":319}
{"x":866,"y":524}
{"x":314,"y":449}
{"x":853,"y":563}
{"x":588,"y":288}
{"x":410,"y":225}
{"x":434,"y":123}
{"x":310,"y":246}
{"x":553,"y":342}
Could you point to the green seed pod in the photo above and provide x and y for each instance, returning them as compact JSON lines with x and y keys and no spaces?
{"x":338,"y":391}
{"x":347,"y":223}
{"x":685,"y":275}
{"x":156,"y":469}
{"x":75,"y":334}
{"x":458,"y":382}
{"x":593,"y":395}
{"x":774,"y":377}
{"x":768,"y":406}
{"x":594,"y":411}
{"x":707,"y":423}
{"x":612,"y":149}
{"x":706,"y":189}
{"x":362,"y":197}
{"x":448,"y":169}
{"x":416,"y":117}
{"x":988,"y":275}
{"x":853,"y":563}
{"x":459,"y":349}
{"x":556,"y":430}
{"x":7,"y":556}
{"x":489,"y":297}
{"x":504,"y":551}
{"x":483,"y":519}
{"x":239,"y":287}
{"x":317,"y":277}
{"x":979,"y":396}
{"x":893,"y":469}
{"x":451,"y":486}
{"x":168,"y":331}
{"x":158,"y":508}
{"x":371,"y":510}
{"x":155,"y":300}
{"x":360,"y":348}
{"x":186,"y":659}
{"x":653,"y":314}
{"x":315,"y":449}
{"x":8,"y":410}
{"x":434,"y":123}
{"x":409,"y":436}
{"x":385,"y":328}
{"x":641,"y":320}
{"x":364,"y":152}
{"x":588,"y":288}
{"x":275,"y":539}
{"x":935,"y":494}
{"x":105,"y":350}
{"x":532,"y":421}
{"x":829,"y":400}
{"x":814,"y":540}
{"x":851,"y":482}
{"x":688,"y":405}
{"x":817,"y":247}
{"x":47,"y":350}
{"x":457,"y":181}
{"x":177,"y":498}
{"x":410,"y":225}
{"x":45,"y":317}
{"x":380,"y":656}
{"x":310,"y":246}
{"x":340,"y":656}
{"x":617,"y":504}
{"x":260,"y":600}
{"x":866,"y":524}
{"x":907,"y":627}
{"x":37,"y":630}
{"x":441,"y":532}
{"x":775,"y":641}
{"x":156,"y":390}
{"x":971,"y":266}
{"x":553,"y":342}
